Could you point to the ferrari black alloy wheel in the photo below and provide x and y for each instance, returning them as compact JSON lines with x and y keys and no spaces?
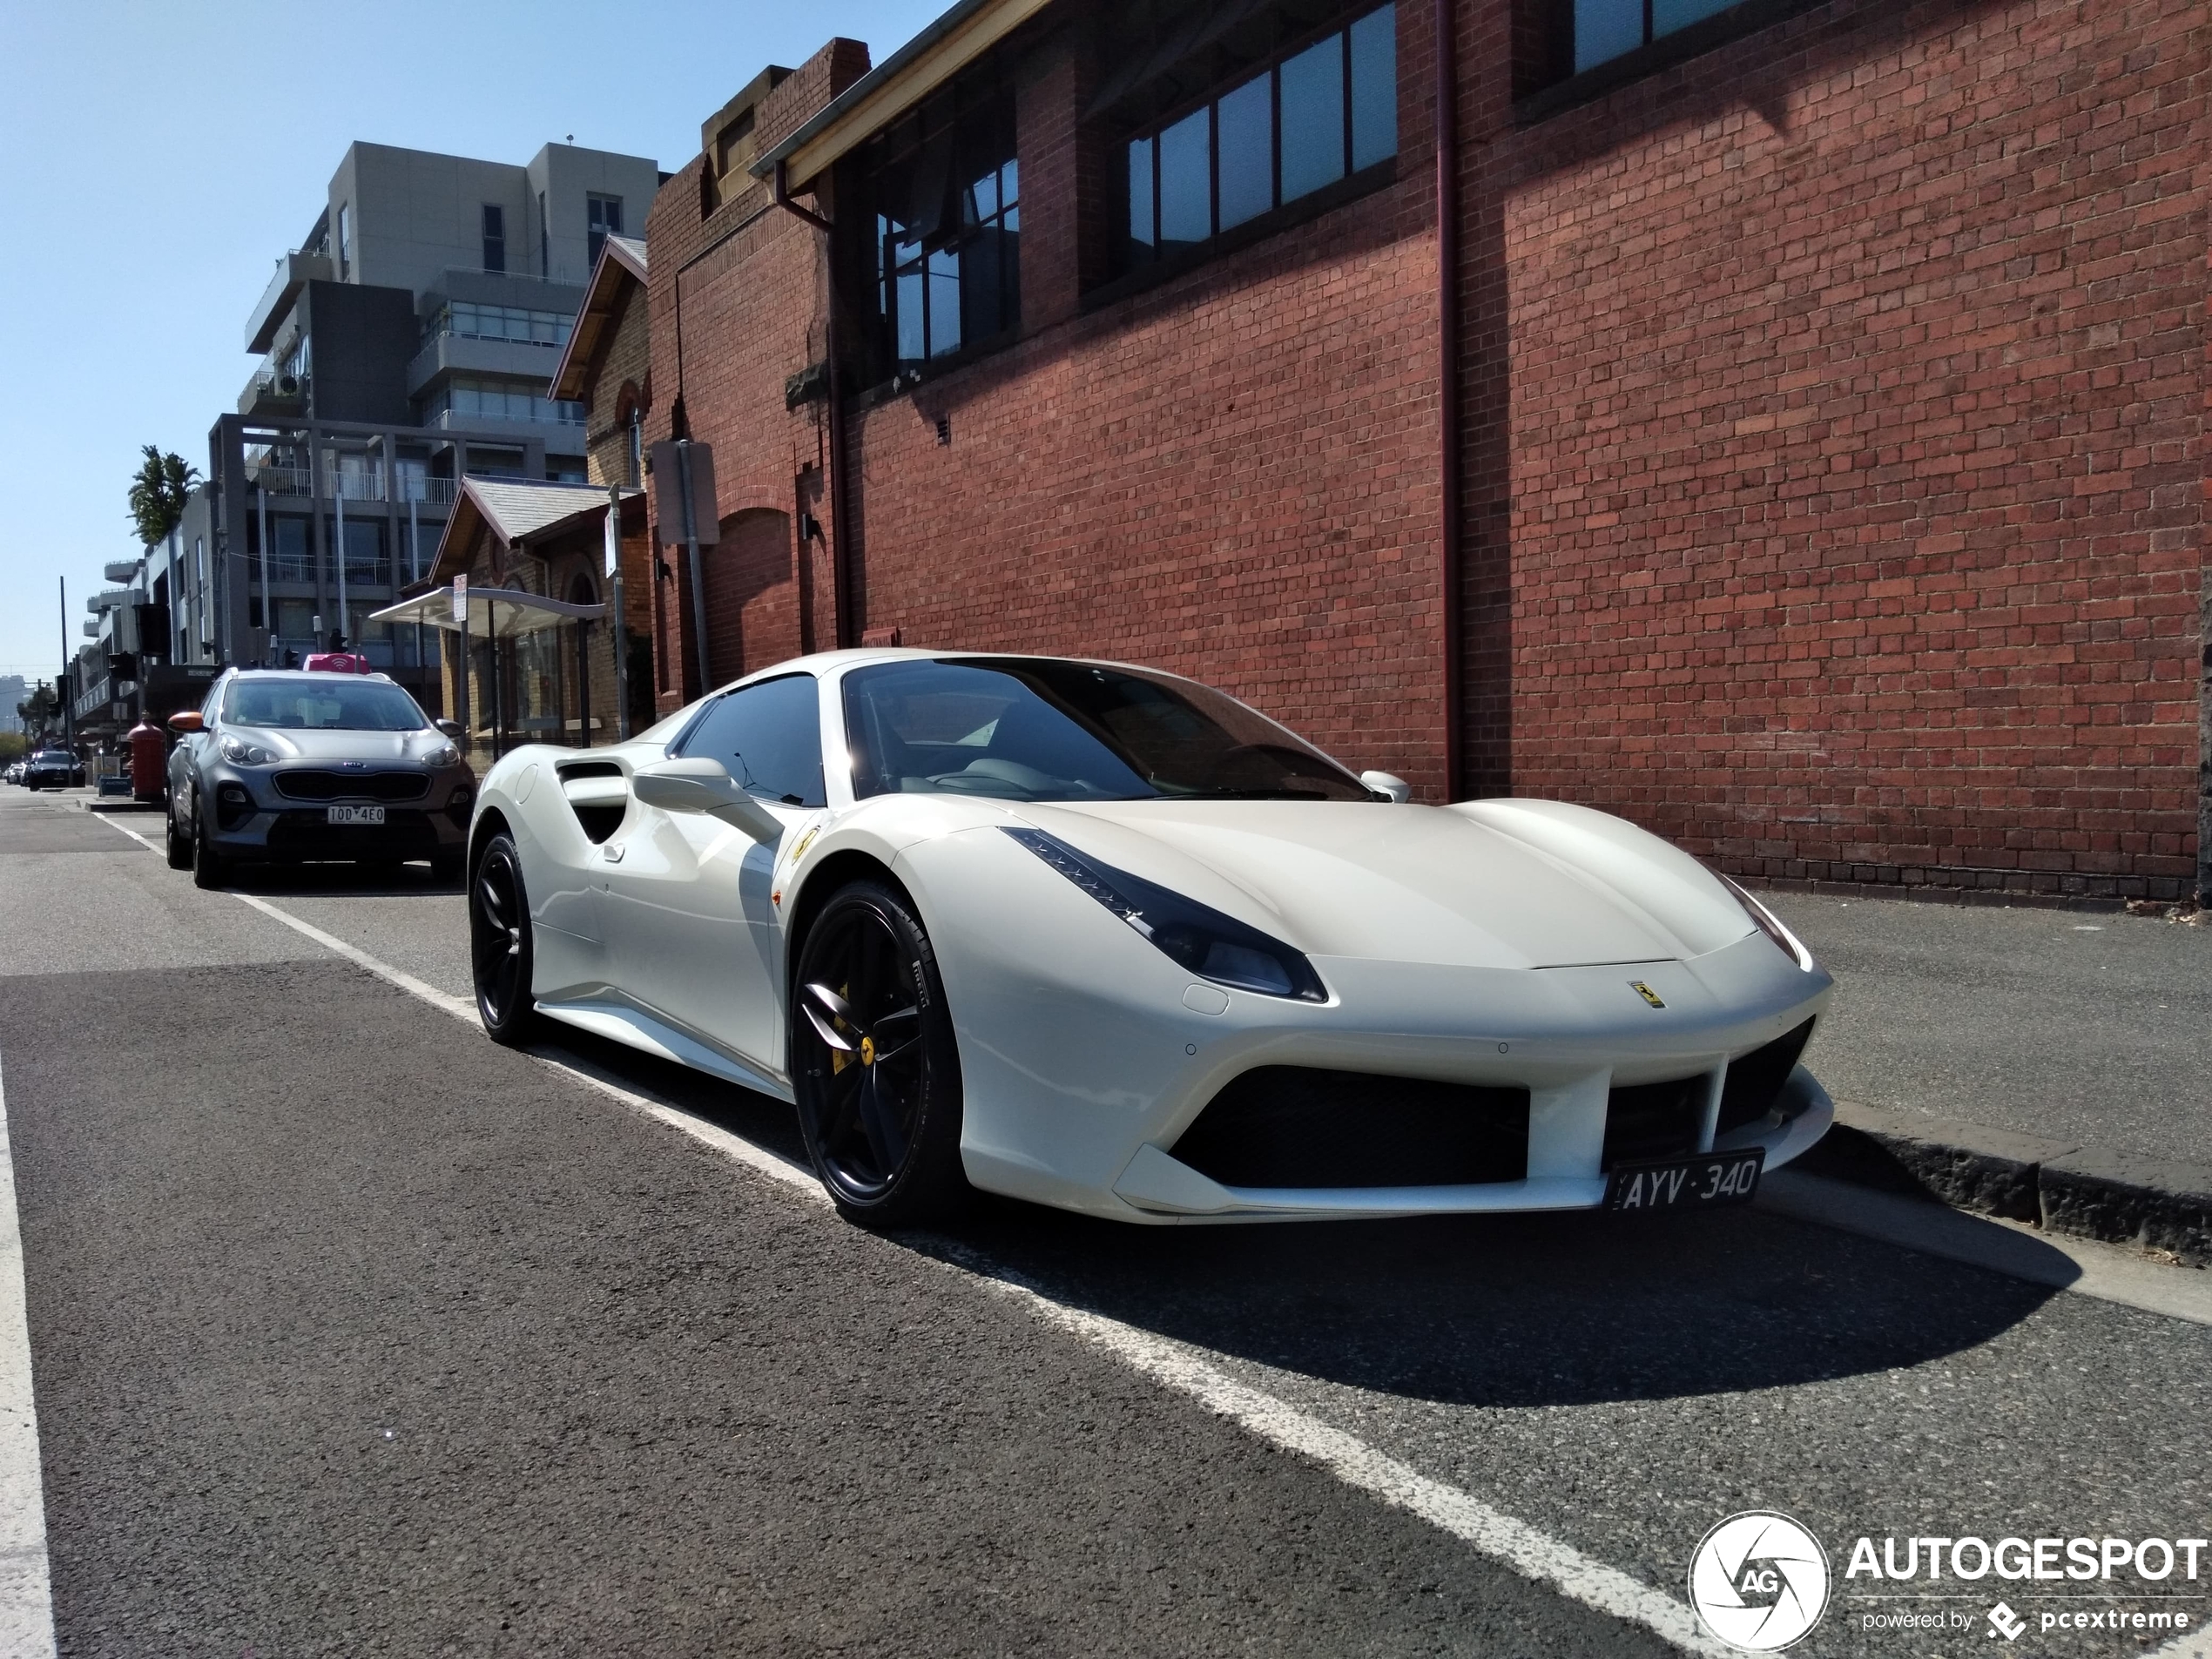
{"x":874,"y":1062}
{"x":499,"y":943}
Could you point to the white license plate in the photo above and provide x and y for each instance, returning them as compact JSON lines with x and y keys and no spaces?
{"x":355,"y":814}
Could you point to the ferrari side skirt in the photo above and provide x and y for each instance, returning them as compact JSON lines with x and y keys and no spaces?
{"x":632,"y":1026}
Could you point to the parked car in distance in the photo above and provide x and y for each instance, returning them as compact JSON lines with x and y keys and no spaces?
{"x":52,"y":769}
{"x":286,"y":766}
{"x":13,"y":774}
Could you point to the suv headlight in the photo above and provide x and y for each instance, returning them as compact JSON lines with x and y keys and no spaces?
{"x":444,"y":755}
{"x":239,"y":752}
{"x":1200,"y":938}
{"x":1771,"y":925}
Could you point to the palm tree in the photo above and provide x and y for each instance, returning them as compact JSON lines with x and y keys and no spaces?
{"x":159,"y":493}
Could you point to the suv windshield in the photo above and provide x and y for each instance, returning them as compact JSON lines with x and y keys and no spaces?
{"x":335,"y":704}
{"x":1039,"y":728}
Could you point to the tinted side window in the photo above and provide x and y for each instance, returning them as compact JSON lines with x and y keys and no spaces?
{"x":770,"y":737}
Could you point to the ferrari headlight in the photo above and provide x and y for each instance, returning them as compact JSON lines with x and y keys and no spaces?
{"x":1771,"y":925}
{"x":239,"y":752}
{"x":1200,"y":938}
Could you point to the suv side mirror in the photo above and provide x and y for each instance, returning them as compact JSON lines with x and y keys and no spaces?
{"x":451,"y":728}
{"x":702,"y":784}
{"x":1388,"y":783}
{"x":185,"y":722}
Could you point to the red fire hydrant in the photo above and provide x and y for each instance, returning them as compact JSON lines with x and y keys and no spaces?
{"x":149,"y":761}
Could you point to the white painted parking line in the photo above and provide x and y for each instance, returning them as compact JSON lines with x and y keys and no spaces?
{"x":26,"y":1588}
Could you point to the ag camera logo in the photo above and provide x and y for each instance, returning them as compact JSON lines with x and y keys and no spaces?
{"x":1759,"y":1582}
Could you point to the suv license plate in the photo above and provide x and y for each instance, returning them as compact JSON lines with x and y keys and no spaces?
{"x":356,"y":814}
{"x":1686,"y":1183}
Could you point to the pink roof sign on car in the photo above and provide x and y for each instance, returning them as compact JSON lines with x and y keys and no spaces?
{"x":337,"y":662}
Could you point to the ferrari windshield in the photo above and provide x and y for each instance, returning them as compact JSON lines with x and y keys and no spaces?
{"x":326,"y":703}
{"x":1043,"y":728}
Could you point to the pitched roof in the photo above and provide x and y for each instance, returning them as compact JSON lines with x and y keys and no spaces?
{"x":622,"y":261}
{"x":514,"y":510}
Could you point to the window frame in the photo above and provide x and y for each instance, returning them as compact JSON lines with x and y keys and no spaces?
{"x":678,"y":746}
{"x":985,"y":92}
{"x":492,"y":224}
{"x":1130,"y":267}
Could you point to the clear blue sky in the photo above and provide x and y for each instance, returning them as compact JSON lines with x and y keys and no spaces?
{"x":156,"y":157}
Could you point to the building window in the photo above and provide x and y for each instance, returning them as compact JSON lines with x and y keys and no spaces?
{"x":472,"y":321}
{"x":494,"y":237}
{"x":345,"y":239}
{"x":1326,"y":111}
{"x":603,"y":219}
{"x":1604,"y":30}
{"x":944,"y":190}
{"x":465,"y":399}
{"x":545,"y":239}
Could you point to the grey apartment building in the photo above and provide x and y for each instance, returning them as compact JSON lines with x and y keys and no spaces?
{"x":406,"y":342}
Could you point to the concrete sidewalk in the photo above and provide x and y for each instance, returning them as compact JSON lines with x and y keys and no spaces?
{"x":2053,"y":1066}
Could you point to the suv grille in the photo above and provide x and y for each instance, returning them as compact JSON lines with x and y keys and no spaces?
{"x":308,"y":784}
{"x":1300,"y":1126}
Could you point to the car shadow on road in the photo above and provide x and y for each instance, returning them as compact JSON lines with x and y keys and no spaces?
{"x":334,"y":880}
{"x":1531,"y":1309}
{"x":1535,"y":1310}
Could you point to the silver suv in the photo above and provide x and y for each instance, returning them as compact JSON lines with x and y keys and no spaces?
{"x":287,"y":767}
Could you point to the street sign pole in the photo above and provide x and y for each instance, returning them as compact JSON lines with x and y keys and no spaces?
{"x":691,"y":544}
{"x":619,"y":629}
{"x":461,"y":667}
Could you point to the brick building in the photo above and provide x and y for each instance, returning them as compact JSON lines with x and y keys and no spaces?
{"x":1825,"y":426}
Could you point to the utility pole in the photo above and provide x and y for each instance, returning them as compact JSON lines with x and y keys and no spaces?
{"x":61,"y":684}
{"x":617,"y":628}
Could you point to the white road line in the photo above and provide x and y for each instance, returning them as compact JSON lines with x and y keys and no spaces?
{"x":26,"y":1588}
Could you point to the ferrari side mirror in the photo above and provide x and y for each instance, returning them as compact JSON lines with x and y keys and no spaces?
{"x":451,"y":728}
{"x":1386,"y":783}
{"x":703,"y":784}
{"x":186,"y":721}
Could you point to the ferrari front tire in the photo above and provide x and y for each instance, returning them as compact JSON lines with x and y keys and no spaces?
{"x":499,"y":943}
{"x":875,"y":1064}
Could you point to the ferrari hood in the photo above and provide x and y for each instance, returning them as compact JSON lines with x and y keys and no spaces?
{"x":1493,"y":884}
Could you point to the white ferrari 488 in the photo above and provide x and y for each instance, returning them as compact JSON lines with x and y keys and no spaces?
{"x":1100,"y":937}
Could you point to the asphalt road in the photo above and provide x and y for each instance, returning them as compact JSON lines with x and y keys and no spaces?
{"x":353,"y":1334}
{"x":2089,"y":1027}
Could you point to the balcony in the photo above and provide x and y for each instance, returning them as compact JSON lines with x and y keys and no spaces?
{"x":273,"y":394}
{"x":294,"y":272}
{"x":471,"y":355}
{"x":299,"y":482}
{"x":123,"y":571}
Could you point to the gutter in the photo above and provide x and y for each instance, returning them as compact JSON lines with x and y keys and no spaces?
{"x":1448,"y":384}
{"x":846,"y":635}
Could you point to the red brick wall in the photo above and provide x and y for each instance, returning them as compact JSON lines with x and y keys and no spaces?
{"x":754,"y":299}
{"x":1233,"y":475}
{"x":1857,"y":400}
